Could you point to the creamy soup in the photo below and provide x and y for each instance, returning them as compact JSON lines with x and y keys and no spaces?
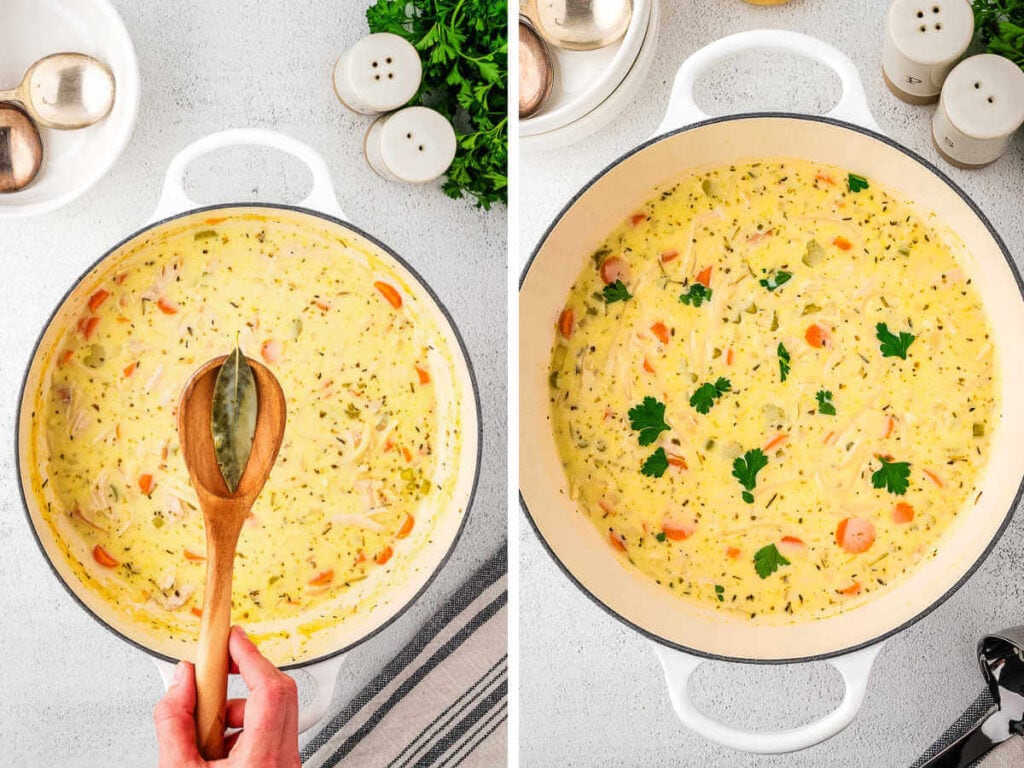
{"x":368,"y":452}
{"x":773,"y":389}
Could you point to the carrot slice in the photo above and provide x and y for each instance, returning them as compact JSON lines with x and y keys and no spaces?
{"x":830,"y":438}
{"x":146,"y":484}
{"x":360,"y":556}
{"x":384,"y":555}
{"x":406,"y":528}
{"x":667,"y":256}
{"x":842,"y":243}
{"x":732,"y":552}
{"x":323,"y":578}
{"x":190,"y":555}
{"x":902,"y":513}
{"x":423,"y":374}
{"x":853,"y":589}
{"x":388,"y":291}
{"x":566,"y":323}
{"x":130,"y":369}
{"x":66,"y":357}
{"x":215,"y":221}
{"x":271,"y":351}
{"x":677,"y":531}
{"x":796,"y":542}
{"x":935,"y":478}
{"x":406,"y":454}
{"x":890,"y":425}
{"x":729,"y":357}
{"x":197,"y":612}
{"x":120,"y":278}
{"x":661,"y":331}
{"x":167,"y":306}
{"x":615,"y":268}
{"x":97,"y":299}
{"x":87,"y":325}
{"x":817,"y":336}
{"x":758,"y":237}
{"x":776,"y":441}
{"x":825,"y":178}
{"x":855,"y":534}
{"x":704,"y":277}
{"x":616,"y":541}
{"x":637,"y":218}
{"x":322,"y":305}
{"x":647,"y":366}
{"x":101,"y":556}
{"x":676,"y":460}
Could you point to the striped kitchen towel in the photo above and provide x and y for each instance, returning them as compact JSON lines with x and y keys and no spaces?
{"x":442,"y":701}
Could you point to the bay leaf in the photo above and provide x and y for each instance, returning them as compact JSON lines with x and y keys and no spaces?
{"x":233,"y":418}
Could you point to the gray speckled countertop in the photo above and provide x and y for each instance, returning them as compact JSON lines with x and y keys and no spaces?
{"x":592,"y":690}
{"x":72,"y":693}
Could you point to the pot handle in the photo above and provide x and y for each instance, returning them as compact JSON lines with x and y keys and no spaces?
{"x":852,"y":106}
{"x":324,"y":675}
{"x":173,"y":198}
{"x":854,"y":667}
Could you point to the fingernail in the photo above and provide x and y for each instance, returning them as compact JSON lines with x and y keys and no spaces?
{"x":179,"y":674}
{"x":239,"y":631}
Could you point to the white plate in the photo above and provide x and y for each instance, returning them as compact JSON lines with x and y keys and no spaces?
{"x":72,"y":160}
{"x":610,"y":108}
{"x":583,"y":79}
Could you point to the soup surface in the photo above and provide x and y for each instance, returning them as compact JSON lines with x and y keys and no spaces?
{"x":773,"y":389}
{"x":367,"y":459}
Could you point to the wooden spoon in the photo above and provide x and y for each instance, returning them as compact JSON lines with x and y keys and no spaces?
{"x":223,"y":515}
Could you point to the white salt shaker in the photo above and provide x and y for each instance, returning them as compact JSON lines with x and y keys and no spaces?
{"x":982,"y":105}
{"x":414,"y":145}
{"x":379,"y":73}
{"x":923,"y":40}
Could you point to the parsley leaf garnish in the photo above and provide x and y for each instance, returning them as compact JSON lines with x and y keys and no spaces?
{"x":825,"y":402}
{"x":649,"y":419}
{"x":775,"y":280}
{"x":783,"y":361}
{"x":894,"y":476}
{"x":767,"y":560}
{"x":656,"y":464}
{"x":745,"y":469}
{"x":707,"y":393}
{"x":660,"y":536}
{"x":696,"y":294}
{"x":463,"y":45}
{"x":893,"y":345}
{"x":856,"y":183}
{"x":616,"y":292}
{"x":720,"y":593}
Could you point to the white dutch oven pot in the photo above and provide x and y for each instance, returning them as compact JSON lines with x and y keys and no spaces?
{"x":321,"y":212}
{"x":685,"y":634}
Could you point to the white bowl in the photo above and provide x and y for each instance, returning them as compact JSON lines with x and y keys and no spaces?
{"x":72,"y":160}
{"x":583,"y":79}
{"x":608,"y":109}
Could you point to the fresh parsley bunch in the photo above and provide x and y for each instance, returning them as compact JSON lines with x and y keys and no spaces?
{"x":999,"y":27}
{"x":464,"y":48}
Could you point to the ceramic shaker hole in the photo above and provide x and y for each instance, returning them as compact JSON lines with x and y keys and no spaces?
{"x":922,"y":43}
{"x":414,"y":145}
{"x":380,"y":73}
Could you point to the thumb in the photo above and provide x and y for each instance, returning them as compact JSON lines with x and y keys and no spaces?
{"x":174,"y":719}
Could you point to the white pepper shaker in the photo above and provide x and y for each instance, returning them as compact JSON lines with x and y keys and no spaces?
{"x":379,"y":73}
{"x":923,"y":40}
{"x":413,"y":145}
{"x":982,"y":105}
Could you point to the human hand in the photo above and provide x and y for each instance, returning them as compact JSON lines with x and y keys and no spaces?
{"x":269,"y":718}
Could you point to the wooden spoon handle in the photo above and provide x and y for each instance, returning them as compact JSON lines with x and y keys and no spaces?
{"x":212,"y":654}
